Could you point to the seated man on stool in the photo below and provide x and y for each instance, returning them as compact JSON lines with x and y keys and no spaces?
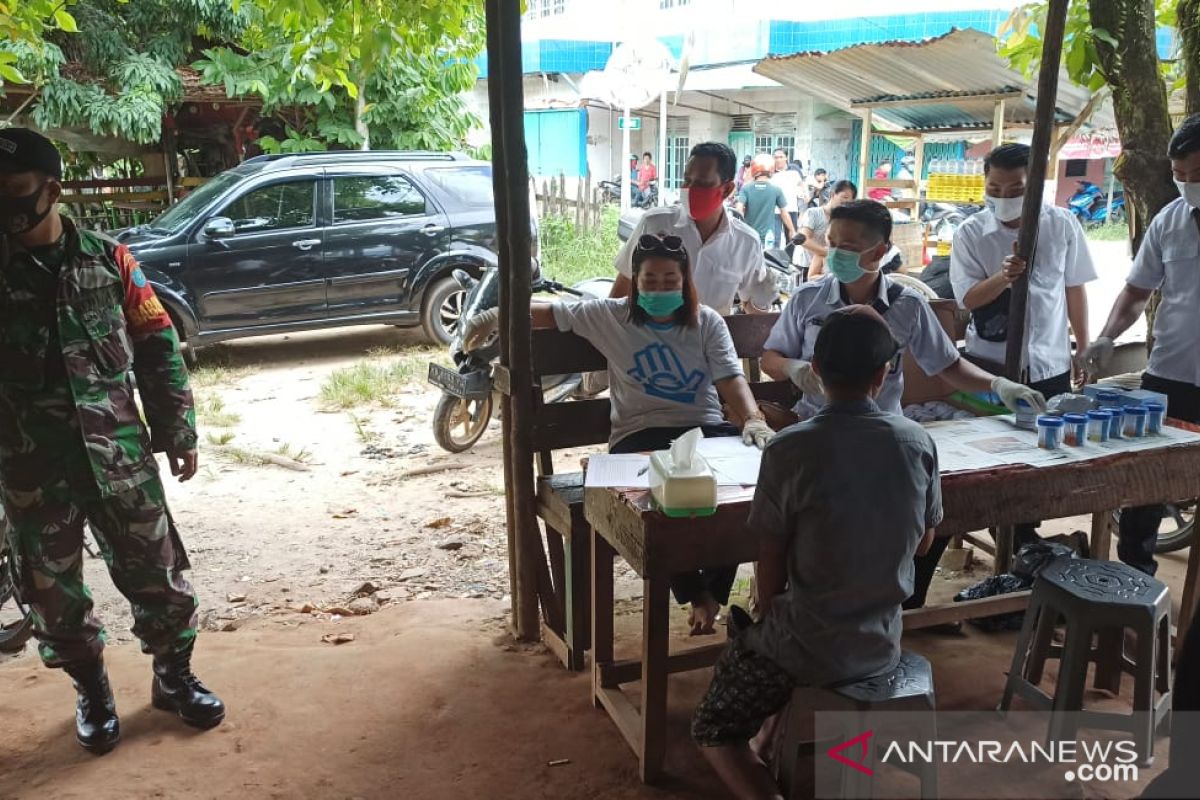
{"x":836,"y":554}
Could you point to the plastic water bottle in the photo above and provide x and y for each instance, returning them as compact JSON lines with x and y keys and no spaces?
{"x":769,"y":244}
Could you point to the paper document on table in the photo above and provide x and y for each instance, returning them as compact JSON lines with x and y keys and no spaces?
{"x":619,"y":471}
{"x":733,"y":462}
{"x":988,"y":442}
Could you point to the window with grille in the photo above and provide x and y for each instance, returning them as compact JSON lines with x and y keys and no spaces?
{"x":769,"y":143}
{"x":677,"y":156}
{"x":545,"y":8}
{"x":666,"y":4}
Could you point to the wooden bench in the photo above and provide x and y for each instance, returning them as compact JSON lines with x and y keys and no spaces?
{"x":578,"y":423}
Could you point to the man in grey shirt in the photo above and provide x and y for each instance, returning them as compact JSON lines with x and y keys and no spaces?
{"x":836,"y":549}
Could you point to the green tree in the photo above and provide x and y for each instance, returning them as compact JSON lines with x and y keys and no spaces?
{"x":112,"y":68}
{"x":1113,"y":43}
{"x":23,"y":26}
{"x":358,"y":72}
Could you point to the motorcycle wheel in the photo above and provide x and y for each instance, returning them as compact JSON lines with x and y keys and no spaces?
{"x":1178,"y":528}
{"x":15,"y":633}
{"x":458,"y":423}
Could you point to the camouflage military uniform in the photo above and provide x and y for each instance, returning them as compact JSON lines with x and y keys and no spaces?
{"x":78,"y":326}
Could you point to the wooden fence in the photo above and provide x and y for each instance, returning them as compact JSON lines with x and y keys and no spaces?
{"x":115,"y":203}
{"x":585,"y":208}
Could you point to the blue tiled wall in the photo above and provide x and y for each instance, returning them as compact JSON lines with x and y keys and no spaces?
{"x":798,"y":37}
{"x":775,"y":37}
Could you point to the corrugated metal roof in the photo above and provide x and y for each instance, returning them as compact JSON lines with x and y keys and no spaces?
{"x":957,"y":66}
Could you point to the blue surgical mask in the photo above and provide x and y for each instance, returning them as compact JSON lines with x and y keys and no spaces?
{"x":844,"y":264}
{"x":661,"y":304}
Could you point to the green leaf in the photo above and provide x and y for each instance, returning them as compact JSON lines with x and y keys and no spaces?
{"x":65,"y":21}
{"x":1106,"y":37}
{"x":11,"y":74}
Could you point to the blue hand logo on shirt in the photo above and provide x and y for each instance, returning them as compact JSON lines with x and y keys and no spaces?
{"x":661,"y":374}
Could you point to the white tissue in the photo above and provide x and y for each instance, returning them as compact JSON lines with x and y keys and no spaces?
{"x":683,"y":449}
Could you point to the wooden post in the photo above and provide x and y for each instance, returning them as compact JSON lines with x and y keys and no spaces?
{"x":506,"y":100}
{"x":998,"y":125}
{"x":579,"y":226}
{"x":1035,"y":184}
{"x":918,"y":168}
{"x":864,"y":152}
{"x":587,"y":198}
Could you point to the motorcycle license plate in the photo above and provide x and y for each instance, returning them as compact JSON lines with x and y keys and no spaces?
{"x":473,"y":384}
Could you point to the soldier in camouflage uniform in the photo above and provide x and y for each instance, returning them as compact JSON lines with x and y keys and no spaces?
{"x":79,"y":328}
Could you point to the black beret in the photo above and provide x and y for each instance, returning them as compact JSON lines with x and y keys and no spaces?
{"x":23,"y":150}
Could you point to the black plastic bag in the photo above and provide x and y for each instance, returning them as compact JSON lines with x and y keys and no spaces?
{"x":1033,"y":558}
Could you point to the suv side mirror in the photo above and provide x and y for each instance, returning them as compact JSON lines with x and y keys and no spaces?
{"x":218,"y":227}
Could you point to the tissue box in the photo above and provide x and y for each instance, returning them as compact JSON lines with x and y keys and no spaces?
{"x":680,"y":491}
{"x":1128,"y":397}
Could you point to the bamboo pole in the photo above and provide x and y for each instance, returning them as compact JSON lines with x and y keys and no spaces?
{"x":864,"y":151}
{"x":511,"y":177}
{"x":1035,"y":184}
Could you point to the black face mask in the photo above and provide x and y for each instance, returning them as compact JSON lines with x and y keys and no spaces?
{"x":20,"y":215}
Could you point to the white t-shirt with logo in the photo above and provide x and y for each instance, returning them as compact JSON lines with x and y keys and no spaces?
{"x":659,"y":376}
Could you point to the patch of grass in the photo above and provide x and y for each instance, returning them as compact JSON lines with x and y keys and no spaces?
{"x":378,"y":379}
{"x":216,"y":368}
{"x":299,"y":454}
{"x":211,"y":410}
{"x":364,"y":434}
{"x":1118,"y":232}
{"x":569,"y":257}
{"x":219,"y":439}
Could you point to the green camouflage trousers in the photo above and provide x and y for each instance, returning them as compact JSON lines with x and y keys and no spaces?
{"x":143,"y":552}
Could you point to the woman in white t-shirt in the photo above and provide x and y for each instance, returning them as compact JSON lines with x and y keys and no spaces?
{"x":813,"y":226}
{"x":671,"y":365}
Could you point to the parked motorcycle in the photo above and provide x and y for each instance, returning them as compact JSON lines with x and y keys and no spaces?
{"x":647,"y":199}
{"x":1090,"y":205}
{"x":16,"y":624}
{"x":941,"y":220}
{"x":468,"y":400}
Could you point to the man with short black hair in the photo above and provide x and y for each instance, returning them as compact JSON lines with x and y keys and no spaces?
{"x":984,"y":264}
{"x":1169,"y":260}
{"x":80,"y":329}
{"x":837,"y":543}
{"x":791,"y":183}
{"x":646,"y":173}
{"x":762,"y":203}
{"x":726,"y":256}
{"x":859,"y":235}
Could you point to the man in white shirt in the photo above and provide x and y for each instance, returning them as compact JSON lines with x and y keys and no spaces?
{"x":791,"y":183}
{"x":983,"y":266}
{"x":860,"y":233}
{"x":726,"y":254}
{"x":1169,"y":260}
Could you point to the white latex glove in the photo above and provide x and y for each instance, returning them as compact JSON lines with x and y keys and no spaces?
{"x":757,"y":432}
{"x":801,"y":373}
{"x":1096,"y":357}
{"x":1011,"y":391}
{"x":478,"y":328}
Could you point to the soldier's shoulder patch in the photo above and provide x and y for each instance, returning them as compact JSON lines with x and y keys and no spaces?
{"x":138,"y":277}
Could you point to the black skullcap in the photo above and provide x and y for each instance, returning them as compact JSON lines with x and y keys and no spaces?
{"x":23,"y":150}
{"x":853,"y":344}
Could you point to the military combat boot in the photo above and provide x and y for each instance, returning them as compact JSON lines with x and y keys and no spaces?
{"x":96,"y":725}
{"x":177,"y":689}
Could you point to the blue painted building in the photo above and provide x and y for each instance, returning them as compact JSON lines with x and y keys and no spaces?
{"x":573,"y":133}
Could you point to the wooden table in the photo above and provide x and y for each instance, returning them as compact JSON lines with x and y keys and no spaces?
{"x":656,"y":547}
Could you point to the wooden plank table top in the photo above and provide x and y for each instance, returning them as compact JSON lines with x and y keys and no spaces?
{"x":624,"y":523}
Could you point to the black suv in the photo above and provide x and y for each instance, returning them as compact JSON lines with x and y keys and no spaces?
{"x":296,"y":242}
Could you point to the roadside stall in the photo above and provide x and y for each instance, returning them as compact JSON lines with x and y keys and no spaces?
{"x":949,"y":88}
{"x":993,"y":474}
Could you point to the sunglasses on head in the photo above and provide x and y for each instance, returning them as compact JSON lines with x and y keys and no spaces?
{"x":667,"y":245}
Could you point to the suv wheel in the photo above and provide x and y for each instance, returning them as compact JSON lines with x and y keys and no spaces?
{"x":442,"y":310}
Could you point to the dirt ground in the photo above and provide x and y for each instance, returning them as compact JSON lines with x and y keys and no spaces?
{"x":431,"y":699}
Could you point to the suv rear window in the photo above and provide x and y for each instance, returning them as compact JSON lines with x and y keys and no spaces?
{"x":376,"y":197}
{"x":470,"y":186}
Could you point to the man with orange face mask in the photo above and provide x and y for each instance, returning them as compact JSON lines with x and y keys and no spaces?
{"x":726,"y":254}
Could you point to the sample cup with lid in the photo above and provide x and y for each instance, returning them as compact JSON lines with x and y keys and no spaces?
{"x":1050,"y":432}
{"x":1075,"y":432}
{"x":1135,"y":422}
{"x":1117,"y":421}
{"x":1098,"y":425}
{"x":1155,"y":413}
